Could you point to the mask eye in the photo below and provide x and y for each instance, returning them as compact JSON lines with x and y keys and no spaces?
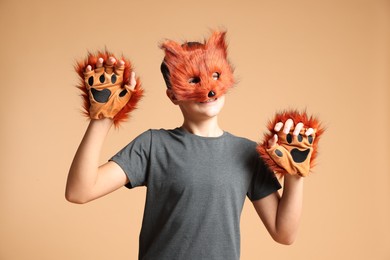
{"x":216,"y":75}
{"x":194,"y":80}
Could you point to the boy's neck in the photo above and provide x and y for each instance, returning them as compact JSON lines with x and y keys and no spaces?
{"x":209,"y":128}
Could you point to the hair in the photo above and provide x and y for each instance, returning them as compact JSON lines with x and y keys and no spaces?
{"x":164,"y":68}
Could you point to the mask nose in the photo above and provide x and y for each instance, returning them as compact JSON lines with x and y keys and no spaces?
{"x":211,"y":94}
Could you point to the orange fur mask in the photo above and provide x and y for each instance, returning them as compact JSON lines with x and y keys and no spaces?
{"x":198,"y":71}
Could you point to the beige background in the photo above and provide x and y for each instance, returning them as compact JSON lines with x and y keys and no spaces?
{"x":331,"y":57}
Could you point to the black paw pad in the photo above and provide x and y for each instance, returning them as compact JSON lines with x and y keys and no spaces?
{"x":278,"y":153}
{"x":123,"y":93}
{"x":113,"y":78}
{"x":102,"y":78}
{"x":90,"y":81}
{"x":101,"y":96}
{"x":299,"y":156}
{"x":289,"y":138}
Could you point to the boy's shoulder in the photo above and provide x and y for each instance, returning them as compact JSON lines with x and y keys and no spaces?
{"x":241,"y":139}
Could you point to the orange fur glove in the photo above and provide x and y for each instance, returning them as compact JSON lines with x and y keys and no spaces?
{"x":295,"y":149}
{"x":107,"y":88}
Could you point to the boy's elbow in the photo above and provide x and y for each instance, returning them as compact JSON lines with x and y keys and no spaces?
{"x":286,"y":239}
{"x":74,"y":198}
{"x":286,"y":242}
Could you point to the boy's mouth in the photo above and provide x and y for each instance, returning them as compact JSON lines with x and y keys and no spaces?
{"x":209,"y":100}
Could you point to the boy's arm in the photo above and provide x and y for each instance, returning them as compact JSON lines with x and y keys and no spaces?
{"x":281,"y":214}
{"x":86,"y":179}
{"x":289,"y":150}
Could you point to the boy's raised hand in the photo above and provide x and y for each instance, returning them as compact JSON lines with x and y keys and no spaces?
{"x":110,"y":88}
{"x":291,"y":145}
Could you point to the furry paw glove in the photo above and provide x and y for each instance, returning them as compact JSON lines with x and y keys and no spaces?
{"x":106,"y":87}
{"x":292,"y":154}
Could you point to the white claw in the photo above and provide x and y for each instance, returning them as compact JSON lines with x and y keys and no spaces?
{"x":309,"y":131}
{"x":278,"y":126}
{"x":287,"y":126}
{"x":298,"y":128}
{"x":99,"y":63}
{"x":273,"y":141}
{"x":133,"y":82}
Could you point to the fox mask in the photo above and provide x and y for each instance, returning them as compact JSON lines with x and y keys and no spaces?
{"x":198,"y":71}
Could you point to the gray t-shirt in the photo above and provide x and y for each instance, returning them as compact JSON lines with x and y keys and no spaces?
{"x":196,"y":188}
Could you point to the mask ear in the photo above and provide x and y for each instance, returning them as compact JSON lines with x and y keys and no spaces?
{"x":171,"y":48}
{"x":217,"y":41}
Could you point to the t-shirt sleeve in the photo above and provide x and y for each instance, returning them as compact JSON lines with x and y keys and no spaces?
{"x":264,"y":181}
{"x":134,"y":159}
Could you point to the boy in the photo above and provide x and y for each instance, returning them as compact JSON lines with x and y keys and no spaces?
{"x":197,"y":175}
